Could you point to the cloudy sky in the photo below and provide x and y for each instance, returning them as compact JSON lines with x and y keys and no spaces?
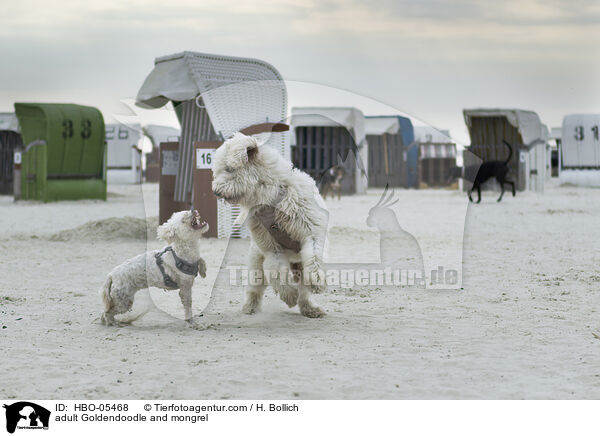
{"x":428,"y":58}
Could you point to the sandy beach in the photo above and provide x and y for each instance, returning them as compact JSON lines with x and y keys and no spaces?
{"x":522,"y":326}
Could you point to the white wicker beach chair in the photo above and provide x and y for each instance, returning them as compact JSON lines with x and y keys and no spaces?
{"x":219,"y":95}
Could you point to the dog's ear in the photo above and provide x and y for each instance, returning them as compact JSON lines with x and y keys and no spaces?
{"x":252,"y":151}
{"x":166,"y":232}
{"x":243,"y":149}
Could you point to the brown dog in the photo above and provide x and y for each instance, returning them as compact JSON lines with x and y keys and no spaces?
{"x":331,"y":181}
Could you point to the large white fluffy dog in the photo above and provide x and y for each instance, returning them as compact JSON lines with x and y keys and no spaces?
{"x":173,"y":267}
{"x":287,"y":223}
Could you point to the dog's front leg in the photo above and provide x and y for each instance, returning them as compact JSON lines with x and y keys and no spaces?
{"x":256,"y":289}
{"x":202,"y":268}
{"x":306,"y":307}
{"x":185,"y":294}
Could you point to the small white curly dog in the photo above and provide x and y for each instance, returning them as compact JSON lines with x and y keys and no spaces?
{"x":286,"y":217}
{"x":173,"y":267}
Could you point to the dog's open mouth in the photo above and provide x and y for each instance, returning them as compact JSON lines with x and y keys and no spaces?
{"x":197,"y":222}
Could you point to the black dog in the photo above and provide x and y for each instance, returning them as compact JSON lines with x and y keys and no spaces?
{"x":480,"y":174}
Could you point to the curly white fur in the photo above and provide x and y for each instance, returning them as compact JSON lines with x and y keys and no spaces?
{"x":182,"y":232}
{"x":253,"y":177}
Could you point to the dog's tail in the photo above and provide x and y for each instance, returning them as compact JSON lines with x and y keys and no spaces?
{"x":510,"y":151}
{"x":108,"y":303}
{"x":105,"y":293}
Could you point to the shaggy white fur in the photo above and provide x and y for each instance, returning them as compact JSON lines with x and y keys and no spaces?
{"x":182,"y":232}
{"x":264,"y":183}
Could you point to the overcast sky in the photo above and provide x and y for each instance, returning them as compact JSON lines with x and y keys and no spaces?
{"x":427,"y":58}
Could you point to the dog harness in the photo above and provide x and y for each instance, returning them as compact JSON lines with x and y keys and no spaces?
{"x":188,"y":268}
{"x":266,"y":216}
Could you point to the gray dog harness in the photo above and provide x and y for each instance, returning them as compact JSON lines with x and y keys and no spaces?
{"x":188,"y":268}
{"x":266,"y":216}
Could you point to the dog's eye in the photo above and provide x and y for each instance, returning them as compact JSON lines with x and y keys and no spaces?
{"x":229,"y":169}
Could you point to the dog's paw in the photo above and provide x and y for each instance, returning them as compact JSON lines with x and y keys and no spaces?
{"x":117,"y":323}
{"x":312,"y":312}
{"x":193,"y":324}
{"x":249,"y":308}
{"x":109,"y":320}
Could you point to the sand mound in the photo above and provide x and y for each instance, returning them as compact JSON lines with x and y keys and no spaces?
{"x":110,"y":229}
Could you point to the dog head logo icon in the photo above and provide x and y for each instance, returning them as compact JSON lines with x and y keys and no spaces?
{"x":26,"y":415}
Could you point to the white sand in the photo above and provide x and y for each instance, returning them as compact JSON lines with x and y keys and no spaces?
{"x":521,"y":328}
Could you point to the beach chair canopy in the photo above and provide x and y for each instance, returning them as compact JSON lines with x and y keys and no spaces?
{"x":158,"y":134}
{"x":434,"y":143}
{"x":215,"y":96}
{"x":580,"y":143}
{"x":488,"y":128}
{"x":9,"y":121}
{"x":527,"y":123}
{"x":237,"y":92}
{"x":381,"y":125}
{"x":348,"y":117}
{"x":74,"y":135}
{"x":391,"y":124}
{"x":64,"y":156}
{"x":10,"y":141}
{"x":428,"y":134}
{"x":120,"y":139}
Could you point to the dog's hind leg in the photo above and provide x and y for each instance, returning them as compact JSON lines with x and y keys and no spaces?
{"x":256,"y":290}
{"x":107,"y":318}
{"x":478,"y":193}
{"x":512,"y":184}
{"x":306,"y":307}
{"x":116,"y":301}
